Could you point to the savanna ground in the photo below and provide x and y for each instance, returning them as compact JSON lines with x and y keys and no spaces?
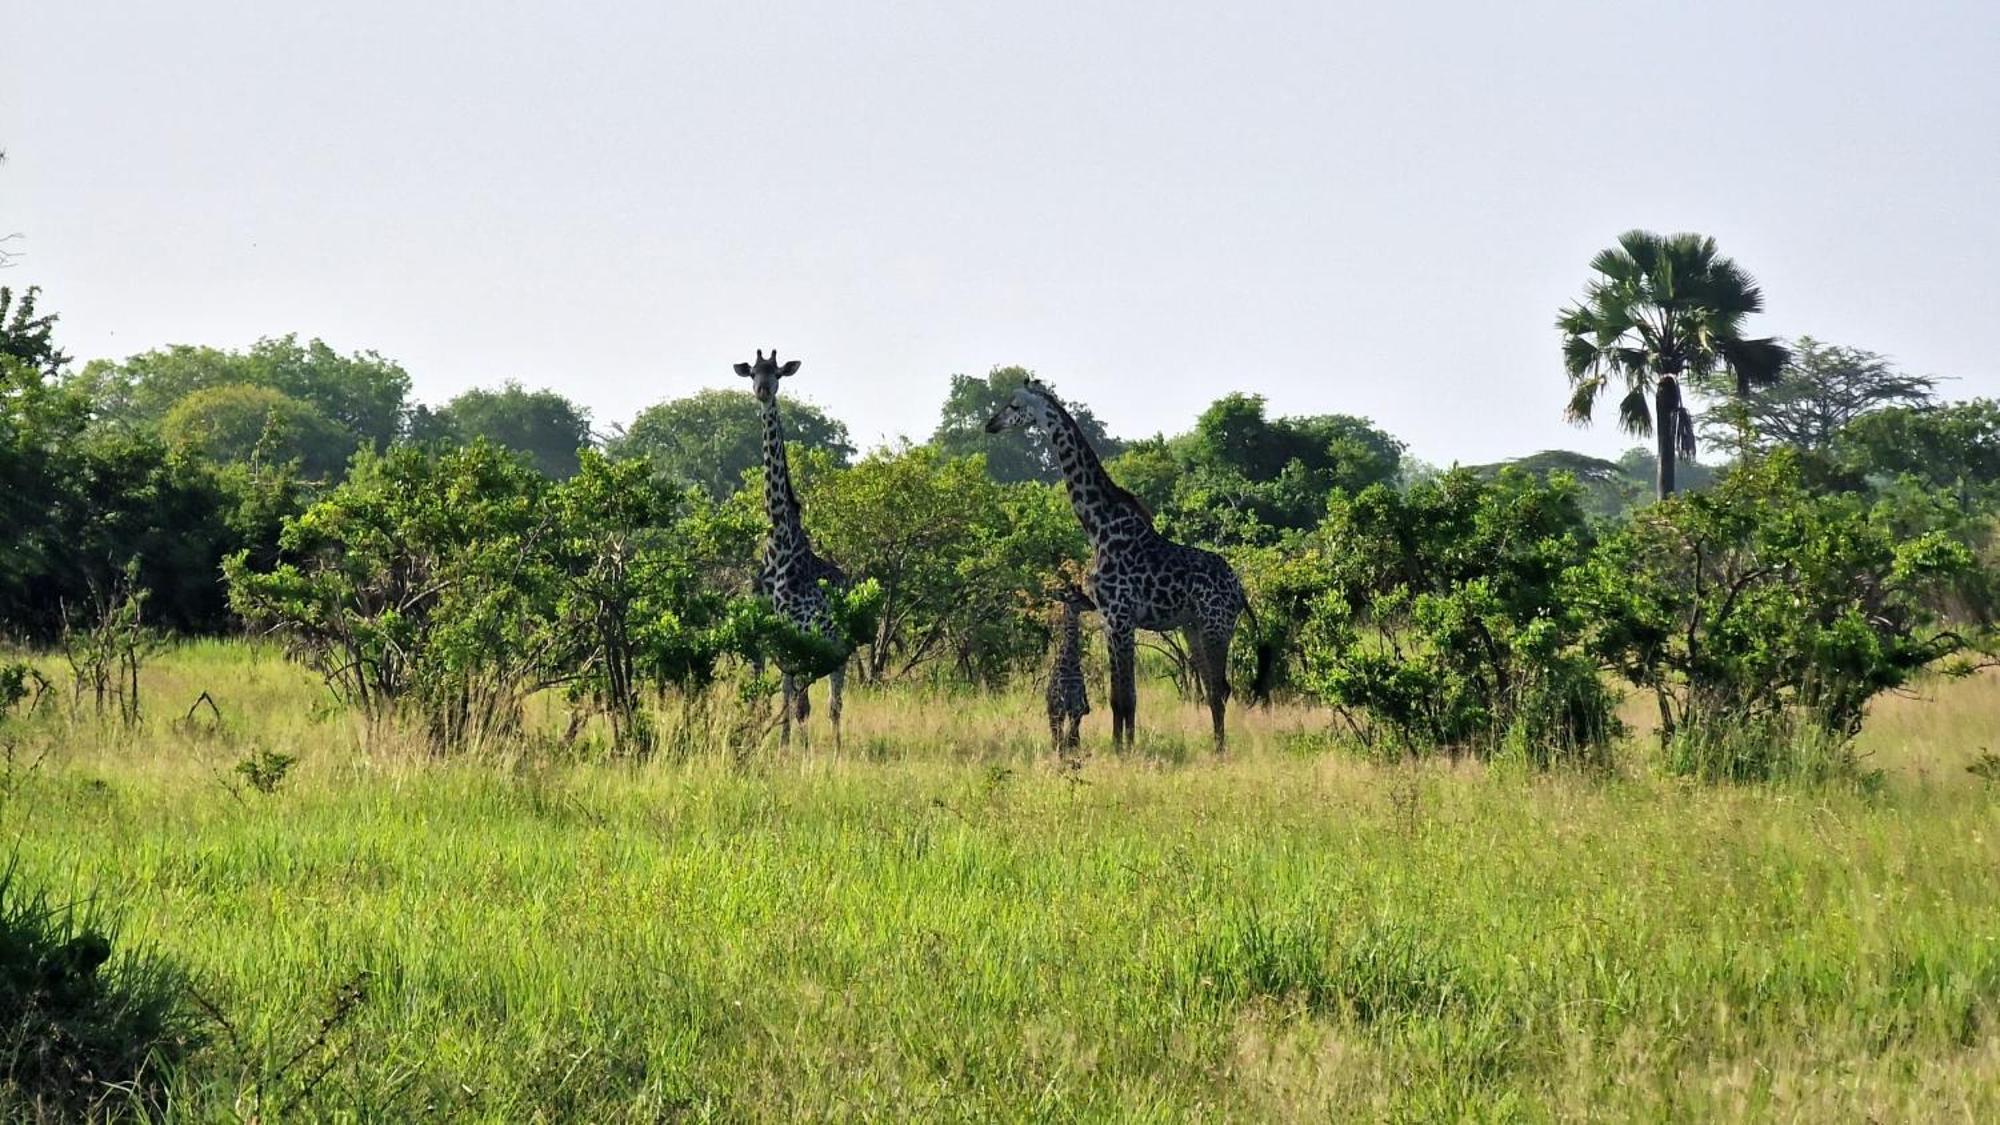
{"x":940,"y":923}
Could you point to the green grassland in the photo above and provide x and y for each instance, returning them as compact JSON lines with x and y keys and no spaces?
{"x":941,"y":923}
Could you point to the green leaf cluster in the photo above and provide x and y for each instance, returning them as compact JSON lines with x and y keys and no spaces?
{"x":1442,"y":625}
{"x":1762,"y":607}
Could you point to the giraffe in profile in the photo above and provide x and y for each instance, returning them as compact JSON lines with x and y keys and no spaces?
{"x":790,"y":574}
{"x":1138,"y":578}
{"x":1068,"y":698}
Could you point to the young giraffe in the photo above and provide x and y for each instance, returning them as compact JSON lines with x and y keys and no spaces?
{"x":790,"y":573}
{"x":1068,"y":698}
{"x":1138,"y":578}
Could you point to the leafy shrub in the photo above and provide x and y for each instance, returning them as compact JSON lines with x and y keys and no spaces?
{"x":1442,"y":625}
{"x":637,"y":602}
{"x":14,"y":679}
{"x":422,"y":583}
{"x":265,"y":770}
{"x":955,"y":554}
{"x":449,"y":585}
{"x":80,"y":1031}
{"x":1764,"y":618}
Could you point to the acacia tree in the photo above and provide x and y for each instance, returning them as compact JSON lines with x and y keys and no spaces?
{"x":425,"y":583}
{"x":1821,"y":390}
{"x":1663,"y":310}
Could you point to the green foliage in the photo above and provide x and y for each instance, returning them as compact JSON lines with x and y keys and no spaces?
{"x":1442,"y":626}
{"x":423,"y":582}
{"x":953,"y":550}
{"x":638,"y":602}
{"x":757,"y":631}
{"x":362,"y":393}
{"x":448,"y":584}
{"x":1242,"y":478}
{"x":83,"y":507}
{"x":1953,"y":448}
{"x":239,"y":423}
{"x":711,"y":438}
{"x":1760,"y":613}
{"x":26,"y":336}
{"x":550,"y":429}
{"x":265,"y":770}
{"x":1609,"y":487}
{"x":82,"y":1034}
{"x":80,"y":506}
{"x":1012,"y":457}
{"x":1285,"y":581}
{"x":14,"y":679}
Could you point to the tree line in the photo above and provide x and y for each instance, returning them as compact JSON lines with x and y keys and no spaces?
{"x":448,"y":561}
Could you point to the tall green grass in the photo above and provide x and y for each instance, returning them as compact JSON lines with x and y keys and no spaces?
{"x":941,"y":924}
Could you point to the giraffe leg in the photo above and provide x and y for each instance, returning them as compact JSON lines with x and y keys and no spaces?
{"x":1055,"y":732}
{"x":802,"y":709}
{"x":1215,"y":676}
{"x":836,"y":684}
{"x":1074,"y":738}
{"x":1197,"y":665}
{"x":1124,"y":687}
{"x":1210,"y":659}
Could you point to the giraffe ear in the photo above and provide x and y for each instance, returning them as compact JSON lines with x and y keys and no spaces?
{"x":743,"y":369}
{"x":788,"y":369}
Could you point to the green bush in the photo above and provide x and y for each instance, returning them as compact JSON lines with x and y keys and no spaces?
{"x":447,"y":586}
{"x":1763,"y":618}
{"x":82,"y":1033}
{"x":422,"y":583}
{"x":1442,"y":626}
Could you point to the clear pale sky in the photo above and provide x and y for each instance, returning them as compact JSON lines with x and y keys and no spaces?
{"x":1374,"y":208}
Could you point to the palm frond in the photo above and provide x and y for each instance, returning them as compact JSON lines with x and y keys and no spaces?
{"x":1755,"y":363}
{"x":1725,"y":287}
{"x":1617,"y":263}
{"x":1684,"y":433}
{"x":1641,"y":248}
{"x":1583,"y":398}
{"x":1635,"y":415}
{"x":1579,"y":356}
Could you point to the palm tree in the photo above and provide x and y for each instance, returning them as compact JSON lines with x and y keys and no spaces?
{"x":1663,"y":310}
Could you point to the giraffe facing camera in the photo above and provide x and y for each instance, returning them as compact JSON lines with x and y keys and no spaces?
{"x":791,"y":574}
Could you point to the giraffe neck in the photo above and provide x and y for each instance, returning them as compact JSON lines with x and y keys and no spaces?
{"x":788,"y":534}
{"x":1071,"y":642}
{"x":1108,"y":513}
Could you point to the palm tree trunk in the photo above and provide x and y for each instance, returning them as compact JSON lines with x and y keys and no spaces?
{"x":1667,"y":428}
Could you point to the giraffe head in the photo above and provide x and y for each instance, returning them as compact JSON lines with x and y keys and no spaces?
{"x":765,"y":373}
{"x":1031,"y":404}
{"x":1068,"y":587}
{"x":1073,"y":597}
